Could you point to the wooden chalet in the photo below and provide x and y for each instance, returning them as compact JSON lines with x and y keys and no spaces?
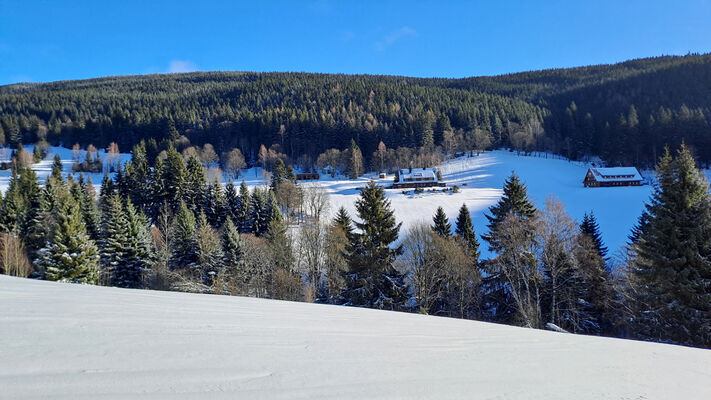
{"x":417,"y":178}
{"x":308,"y":177}
{"x":618,"y":176}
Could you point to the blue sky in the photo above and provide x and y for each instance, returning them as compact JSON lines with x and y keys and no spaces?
{"x":71,"y":39}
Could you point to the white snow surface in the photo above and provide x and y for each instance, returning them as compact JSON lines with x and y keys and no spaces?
{"x":481,"y":178}
{"x":66,"y":341}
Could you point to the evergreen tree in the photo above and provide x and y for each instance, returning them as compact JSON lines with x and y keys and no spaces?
{"x":232,"y":201}
{"x":232,"y":246}
{"x":171,"y":187}
{"x":344,"y":221}
{"x":138,"y":177}
{"x":515,"y":200}
{"x":113,"y":241}
{"x":208,"y":251}
{"x":183,"y":249}
{"x":671,"y":265}
{"x":465,"y":230}
{"x":40,"y":222}
{"x":259,"y":214}
{"x":57,"y":168}
{"x":441,"y":226}
{"x":90,"y":211}
{"x":195,"y":185}
{"x":137,"y":250}
{"x":371,"y":279}
{"x":590,"y":228}
{"x":215,"y":206}
{"x":279,"y":174}
{"x":71,"y":256}
{"x":244,"y":211}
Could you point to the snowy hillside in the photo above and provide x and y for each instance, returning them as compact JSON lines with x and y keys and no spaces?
{"x":481,"y":178}
{"x":72,"y":341}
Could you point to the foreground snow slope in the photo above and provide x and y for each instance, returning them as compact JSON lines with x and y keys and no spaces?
{"x":71,"y":341}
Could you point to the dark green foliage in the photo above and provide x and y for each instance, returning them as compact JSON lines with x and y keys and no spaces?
{"x":514,"y":201}
{"x":671,"y":265}
{"x":465,"y":230}
{"x":57,"y":168}
{"x":195,"y":184}
{"x":371,"y":279}
{"x":662,"y":100}
{"x":232,"y":246}
{"x":279,"y":173}
{"x":441,"y":225}
{"x":138,"y":249}
{"x":244,"y":209}
{"x":90,"y":210}
{"x":590,"y":228}
{"x":70,"y":256}
{"x":259,"y":212}
{"x":215,"y":204}
{"x":183,"y":240}
{"x":232,"y":201}
{"x":209,"y":257}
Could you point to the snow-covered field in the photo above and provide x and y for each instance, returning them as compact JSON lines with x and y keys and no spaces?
{"x":72,"y":341}
{"x":481,"y":178}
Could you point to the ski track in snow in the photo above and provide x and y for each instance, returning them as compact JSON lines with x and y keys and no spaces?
{"x":68,"y":341}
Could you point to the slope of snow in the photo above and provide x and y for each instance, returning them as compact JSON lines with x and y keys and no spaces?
{"x":71,"y":341}
{"x":481,"y":178}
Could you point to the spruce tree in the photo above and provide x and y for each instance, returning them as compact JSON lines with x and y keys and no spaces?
{"x":371,"y":279}
{"x":259,"y":213}
{"x":138,"y":248}
{"x":671,"y":265}
{"x":90,"y":211}
{"x":113,"y":241}
{"x":232,"y":201}
{"x":57,"y":168}
{"x":40,"y":223}
{"x":515,"y":200}
{"x":171,"y":185}
{"x":441,"y":225}
{"x":71,"y":256}
{"x":208,"y":251}
{"x":195,"y":184}
{"x":232,"y":246}
{"x":344,"y":221}
{"x":215,"y":206}
{"x":183,"y":249}
{"x":590,"y":228}
{"x":279,"y":174}
{"x":244,"y":210}
{"x":465,"y":230}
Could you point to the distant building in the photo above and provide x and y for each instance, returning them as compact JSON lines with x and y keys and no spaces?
{"x":307,"y":177}
{"x":417,"y":178}
{"x":618,"y":176}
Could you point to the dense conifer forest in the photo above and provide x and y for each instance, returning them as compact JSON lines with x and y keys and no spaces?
{"x":624,"y":113}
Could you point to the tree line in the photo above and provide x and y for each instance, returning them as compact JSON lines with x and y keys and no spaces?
{"x":168,"y":227}
{"x":624,"y":113}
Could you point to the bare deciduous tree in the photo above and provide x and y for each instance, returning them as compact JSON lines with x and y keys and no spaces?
{"x":233,"y":162}
{"x":13,"y":257}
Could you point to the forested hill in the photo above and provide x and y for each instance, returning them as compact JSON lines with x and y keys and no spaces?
{"x":624,"y":113}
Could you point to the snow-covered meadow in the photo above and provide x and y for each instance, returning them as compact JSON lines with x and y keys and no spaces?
{"x":480,"y":179}
{"x":67,"y":341}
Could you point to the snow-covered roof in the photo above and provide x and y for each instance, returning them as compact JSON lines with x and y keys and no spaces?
{"x":429,"y":174}
{"x":616,"y":174}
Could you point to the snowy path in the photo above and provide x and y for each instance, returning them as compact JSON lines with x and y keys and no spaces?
{"x":72,"y":342}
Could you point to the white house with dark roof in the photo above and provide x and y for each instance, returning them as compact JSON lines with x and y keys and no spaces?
{"x":417,"y":177}
{"x":617,"y":176}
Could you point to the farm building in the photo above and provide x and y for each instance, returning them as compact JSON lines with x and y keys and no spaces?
{"x":307,"y":177}
{"x":618,"y":176}
{"x":417,"y":178}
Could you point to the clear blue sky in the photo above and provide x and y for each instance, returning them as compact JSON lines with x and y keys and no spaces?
{"x":71,"y":39}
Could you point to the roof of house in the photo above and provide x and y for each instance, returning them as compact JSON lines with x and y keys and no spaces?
{"x":419,"y":173}
{"x":616,"y":174}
